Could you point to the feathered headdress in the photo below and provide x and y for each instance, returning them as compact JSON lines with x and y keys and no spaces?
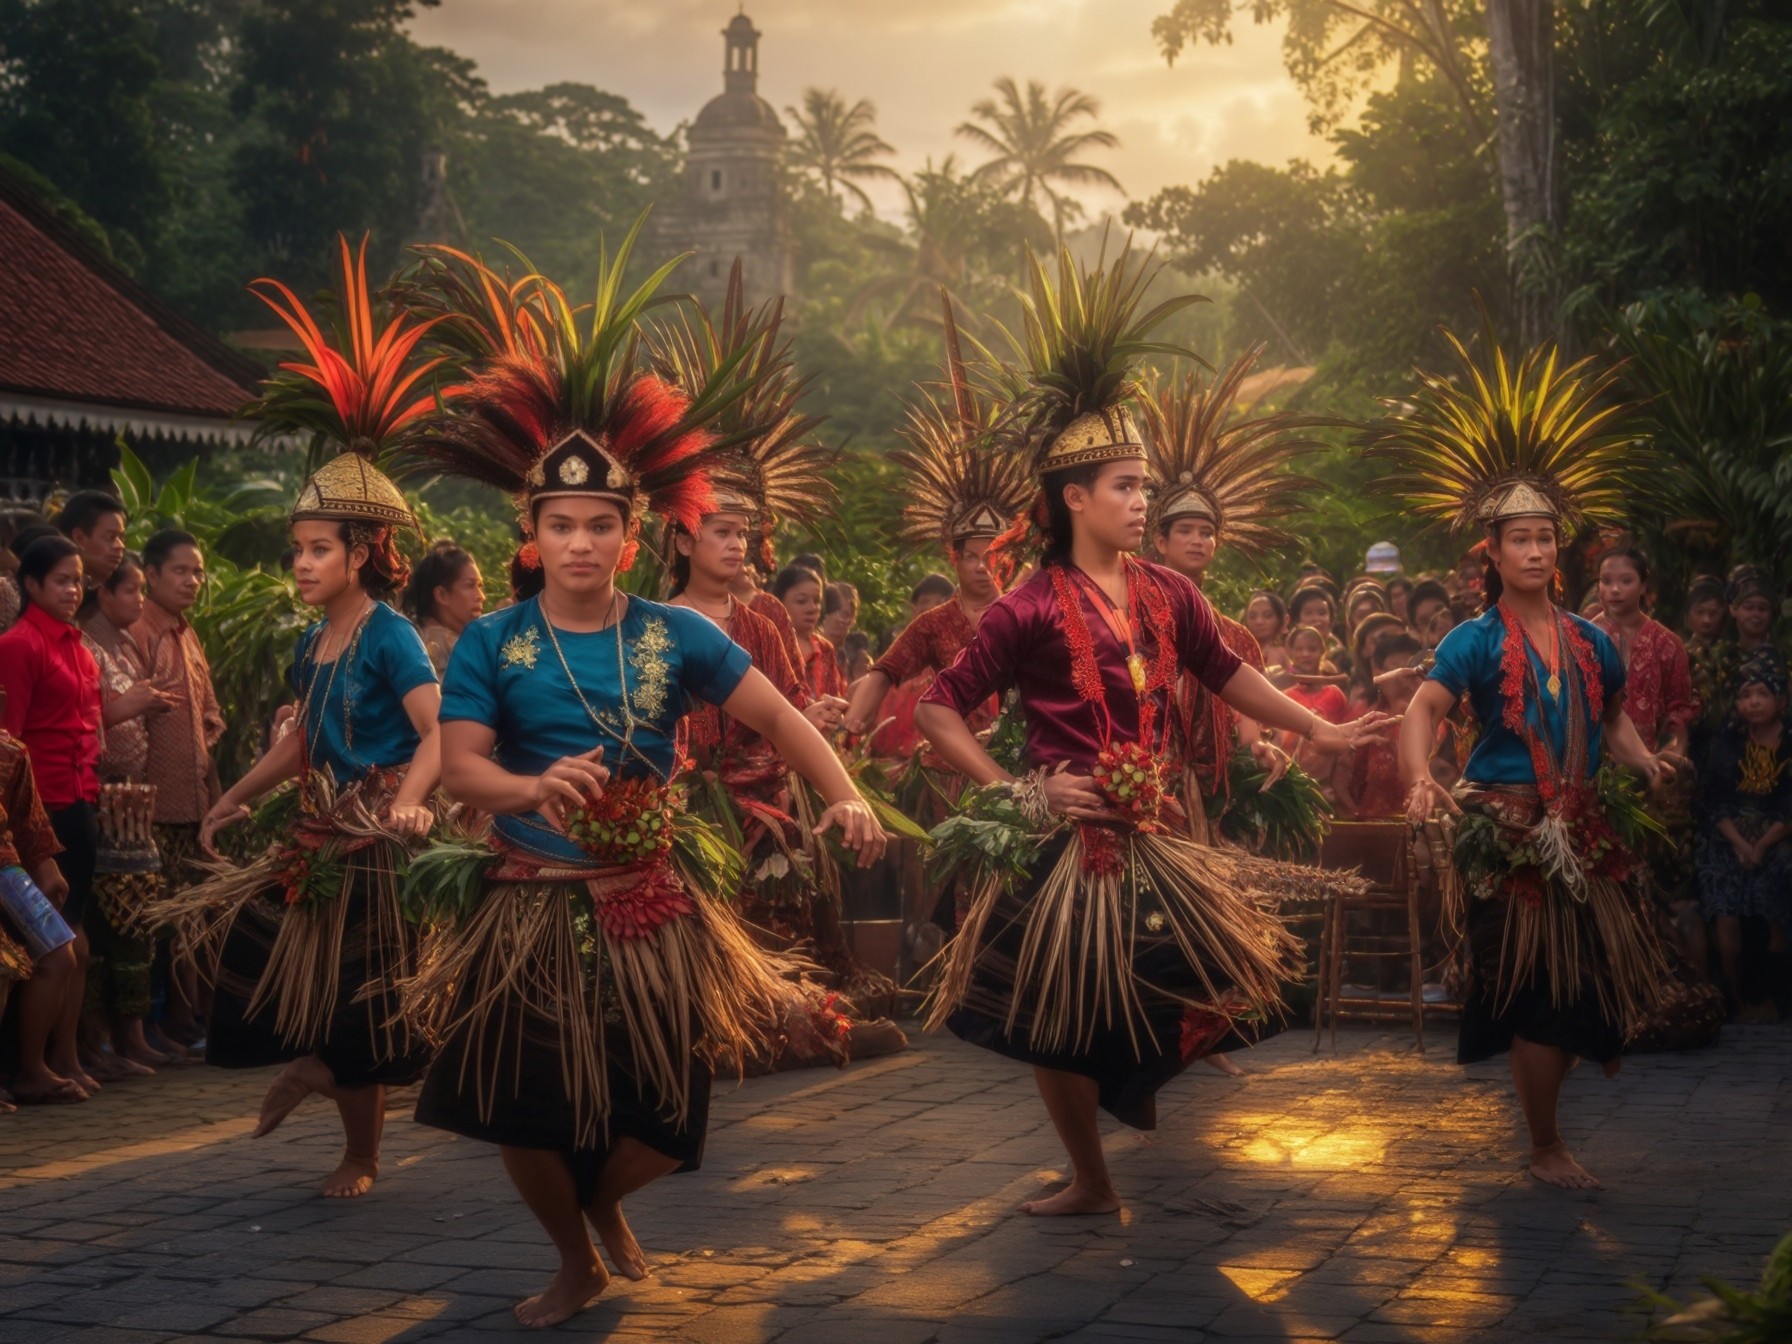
{"x":1231,"y":471}
{"x":765,"y":462}
{"x":1506,"y":438}
{"x":1079,"y":350}
{"x":958,"y":487}
{"x":358,"y":391}
{"x":560,"y":400}
{"x":1077,"y":359}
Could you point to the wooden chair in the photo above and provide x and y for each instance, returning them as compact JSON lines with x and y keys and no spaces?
{"x":1382,"y":852}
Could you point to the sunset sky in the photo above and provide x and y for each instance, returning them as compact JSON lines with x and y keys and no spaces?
{"x":922,"y":62}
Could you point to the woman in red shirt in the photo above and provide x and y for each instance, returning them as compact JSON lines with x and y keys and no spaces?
{"x":52,"y":687}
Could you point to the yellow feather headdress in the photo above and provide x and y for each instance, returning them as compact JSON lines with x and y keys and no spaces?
{"x":1506,"y":437}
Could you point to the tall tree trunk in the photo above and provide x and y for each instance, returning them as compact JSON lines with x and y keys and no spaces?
{"x":1521,"y":42}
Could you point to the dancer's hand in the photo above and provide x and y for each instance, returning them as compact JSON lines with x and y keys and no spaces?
{"x":412,"y":819}
{"x":1273,"y":759}
{"x":1077,"y":797}
{"x":1425,"y":799}
{"x":826,"y":712}
{"x":1400,"y":680}
{"x":1336,"y":737}
{"x":222,"y":814}
{"x":1663,"y":768}
{"x":569,"y":782}
{"x":858,"y":829}
{"x":286,"y":720}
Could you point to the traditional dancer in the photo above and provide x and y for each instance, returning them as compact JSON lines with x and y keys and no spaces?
{"x":591,"y":983}
{"x":1562,"y":959}
{"x":1129,"y":950}
{"x":961,"y":497}
{"x":1218,"y":478}
{"x":772,"y":472}
{"x":310,"y":939}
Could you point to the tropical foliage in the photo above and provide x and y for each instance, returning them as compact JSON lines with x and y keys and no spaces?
{"x":837,"y":145}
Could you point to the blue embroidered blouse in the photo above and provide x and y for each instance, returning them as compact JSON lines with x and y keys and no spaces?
{"x":1468,"y":660}
{"x":356,"y":721}
{"x":505,"y":673}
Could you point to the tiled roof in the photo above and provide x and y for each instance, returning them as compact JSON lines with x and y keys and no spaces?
{"x":74,"y":328}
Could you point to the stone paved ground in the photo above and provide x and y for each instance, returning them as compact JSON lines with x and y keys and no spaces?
{"x":1370,"y":1196}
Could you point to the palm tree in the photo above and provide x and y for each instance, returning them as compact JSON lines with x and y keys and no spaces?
{"x":836,"y":143}
{"x":1034,"y":146}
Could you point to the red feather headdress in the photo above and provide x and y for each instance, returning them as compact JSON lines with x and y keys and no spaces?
{"x":359,"y":391}
{"x":560,"y":400}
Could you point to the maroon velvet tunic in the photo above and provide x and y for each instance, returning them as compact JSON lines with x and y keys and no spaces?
{"x":1021,"y":643}
{"x":744,"y":759}
{"x":1209,"y":725}
{"x":931,"y":643}
{"x":764,"y":604}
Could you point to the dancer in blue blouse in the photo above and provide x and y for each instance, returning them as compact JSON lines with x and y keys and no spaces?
{"x":601,"y":971}
{"x":1563,"y":960}
{"x":310,"y":939}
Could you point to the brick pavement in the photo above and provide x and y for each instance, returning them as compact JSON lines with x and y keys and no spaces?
{"x":1373,"y":1196}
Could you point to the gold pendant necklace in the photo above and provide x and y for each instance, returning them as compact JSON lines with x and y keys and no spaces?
{"x":1135,"y":664}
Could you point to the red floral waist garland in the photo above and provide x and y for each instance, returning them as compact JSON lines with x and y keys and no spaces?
{"x":628,"y":832}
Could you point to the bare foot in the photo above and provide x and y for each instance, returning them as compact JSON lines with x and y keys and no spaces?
{"x":284,"y":1094}
{"x":84,"y":1080}
{"x":619,"y":1242}
{"x":144,"y":1055}
{"x":1224,"y":1064}
{"x":1611,"y":1066}
{"x":569,"y":1293}
{"x":106,"y":1068}
{"x":353,"y":1177}
{"x":6,"y":1106}
{"x":123,"y":1066}
{"x":45,"y":1088}
{"x":1554,"y":1166}
{"x":1073,"y":1199}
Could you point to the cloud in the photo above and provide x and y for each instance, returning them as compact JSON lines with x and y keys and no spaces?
{"x":922,"y":62}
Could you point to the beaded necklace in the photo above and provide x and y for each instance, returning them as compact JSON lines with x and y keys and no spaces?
{"x":343,"y":655}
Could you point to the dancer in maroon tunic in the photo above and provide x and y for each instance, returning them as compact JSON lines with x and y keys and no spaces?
{"x":1128,"y":950}
{"x":1218,"y":477}
{"x":961,"y":497}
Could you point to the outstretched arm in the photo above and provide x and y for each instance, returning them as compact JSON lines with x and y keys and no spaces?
{"x":757,"y":704}
{"x":1250,"y":693}
{"x":1418,"y":735}
{"x":866,"y":699}
{"x":278,"y":764}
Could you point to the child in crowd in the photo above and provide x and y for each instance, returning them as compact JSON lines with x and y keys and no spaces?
{"x":1266,"y":617}
{"x":1744,"y":860}
{"x":1367,"y":780}
{"x":1318,"y":686}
